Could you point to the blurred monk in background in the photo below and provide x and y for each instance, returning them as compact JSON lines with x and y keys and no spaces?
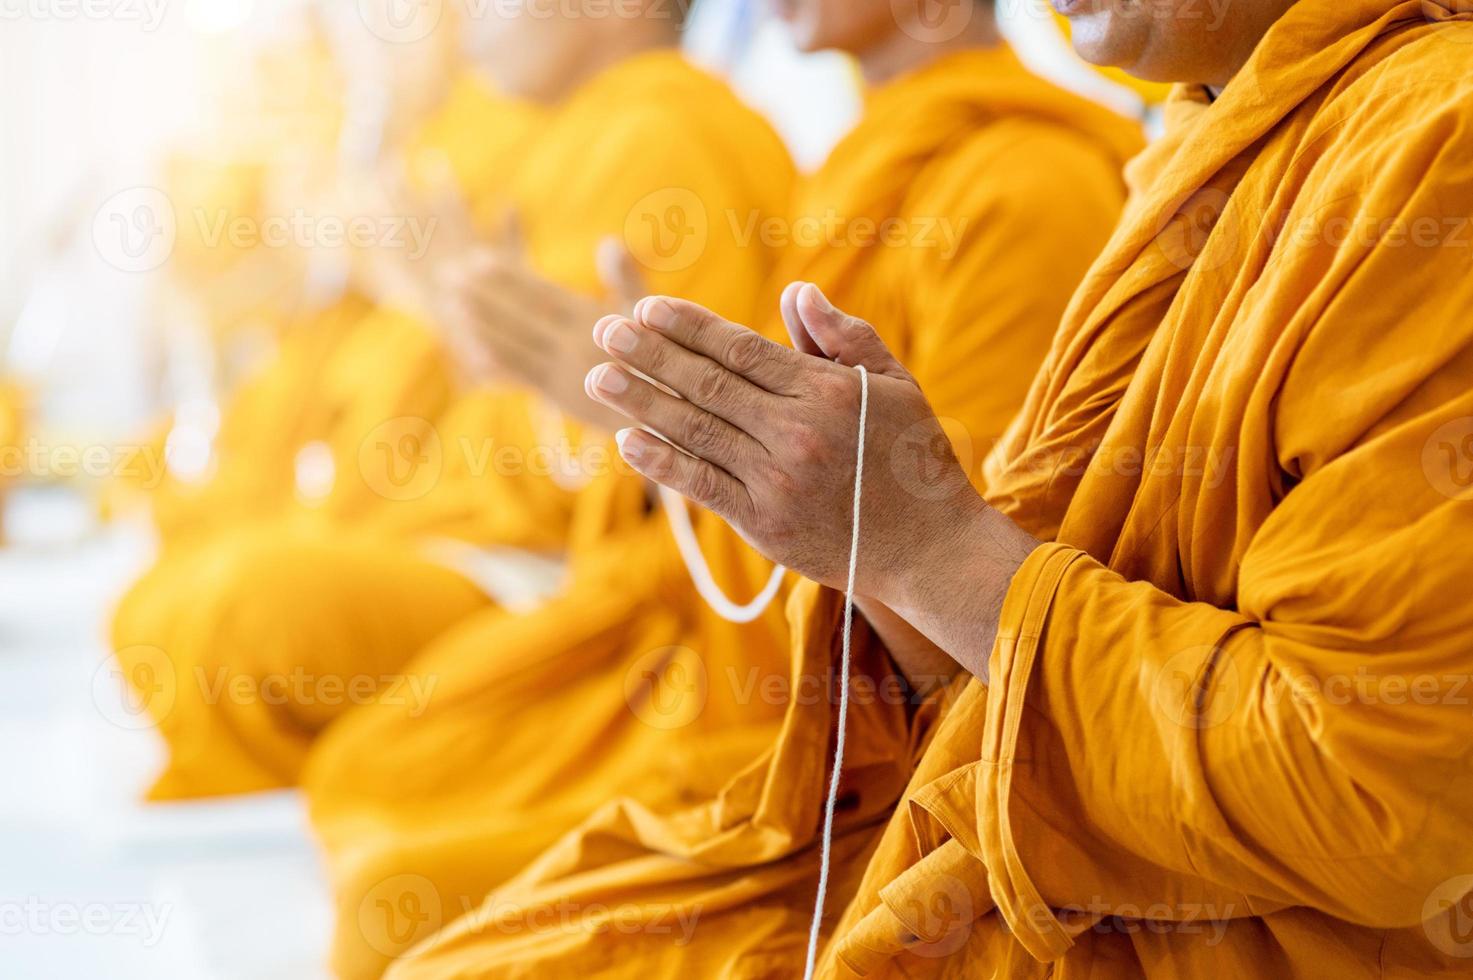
{"x":621,"y":139}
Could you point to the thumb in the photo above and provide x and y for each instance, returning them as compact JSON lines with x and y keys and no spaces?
{"x":841,"y":337}
{"x":620,"y":274}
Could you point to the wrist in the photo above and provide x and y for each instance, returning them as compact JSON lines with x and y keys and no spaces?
{"x":953,"y":587}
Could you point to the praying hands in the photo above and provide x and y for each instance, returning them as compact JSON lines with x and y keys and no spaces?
{"x":766,"y":437}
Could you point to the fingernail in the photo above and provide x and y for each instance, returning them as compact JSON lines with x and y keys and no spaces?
{"x":609,"y":379}
{"x":620,"y":336}
{"x":819,"y":299}
{"x":658,"y":314}
{"x":630,"y":450}
{"x":600,"y":326}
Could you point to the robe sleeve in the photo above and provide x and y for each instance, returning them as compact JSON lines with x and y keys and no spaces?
{"x":1309,"y":745}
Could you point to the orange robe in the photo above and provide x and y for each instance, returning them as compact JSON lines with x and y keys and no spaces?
{"x":1227,"y":730}
{"x":606,"y":157}
{"x":713,"y":764}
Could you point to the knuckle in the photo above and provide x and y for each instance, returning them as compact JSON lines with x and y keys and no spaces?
{"x":703,"y":433}
{"x":706,"y":487}
{"x":709,"y":386}
{"x":745,"y":351}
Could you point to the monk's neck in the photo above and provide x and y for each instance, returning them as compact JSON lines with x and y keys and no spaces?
{"x":908,"y":49}
{"x":603,"y":51}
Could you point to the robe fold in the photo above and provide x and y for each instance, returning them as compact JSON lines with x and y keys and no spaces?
{"x":1226,"y":730}
{"x":649,"y":127}
{"x":1026,"y":177}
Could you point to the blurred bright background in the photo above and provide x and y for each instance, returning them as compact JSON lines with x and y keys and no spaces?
{"x":111,"y":366}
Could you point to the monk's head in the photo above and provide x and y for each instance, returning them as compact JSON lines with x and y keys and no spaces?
{"x":1200,"y":41}
{"x":894,"y":33}
{"x":541,"y":49}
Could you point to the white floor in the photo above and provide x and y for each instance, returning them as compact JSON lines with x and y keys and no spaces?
{"x":92,"y":883}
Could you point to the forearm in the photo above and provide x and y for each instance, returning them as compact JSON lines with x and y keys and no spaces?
{"x":926,"y":667}
{"x":952,"y":592}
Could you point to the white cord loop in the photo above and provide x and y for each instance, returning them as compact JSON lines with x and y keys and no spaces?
{"x":700,"y":572}
{"x":833,"y":798}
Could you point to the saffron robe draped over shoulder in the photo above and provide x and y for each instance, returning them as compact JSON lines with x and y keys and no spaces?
{"x":1227,"y":729}
{"x":648,"y":127}
{"x":1026,"y":177}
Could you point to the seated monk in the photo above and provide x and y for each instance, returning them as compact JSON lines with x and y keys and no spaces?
{"x":630,"y":683}
{"x":268,"y":636}
{"x":1208,"y":618}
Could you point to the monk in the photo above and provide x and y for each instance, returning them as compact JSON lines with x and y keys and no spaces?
{"x":268,"y":636}
{"x":630,"y":683}
{"x":1207,"y":615}
{"x":351,"y":351}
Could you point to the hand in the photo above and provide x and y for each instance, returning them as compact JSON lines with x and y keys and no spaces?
{"x":507,"y":319}
{"x":437,"y":233}
{"x":767,"y":439}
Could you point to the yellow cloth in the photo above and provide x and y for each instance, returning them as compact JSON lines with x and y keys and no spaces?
{"x":1226,"y":730}
{"x":613,"y":151}
{"x":688,"y":826}
{"x":348,"y":379}
{"x":632,"y":156}
{"x":241,"y":710}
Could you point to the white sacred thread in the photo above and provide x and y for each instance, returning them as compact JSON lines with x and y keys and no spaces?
{"x":700,"y":571}
{"x":825,"y":852}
